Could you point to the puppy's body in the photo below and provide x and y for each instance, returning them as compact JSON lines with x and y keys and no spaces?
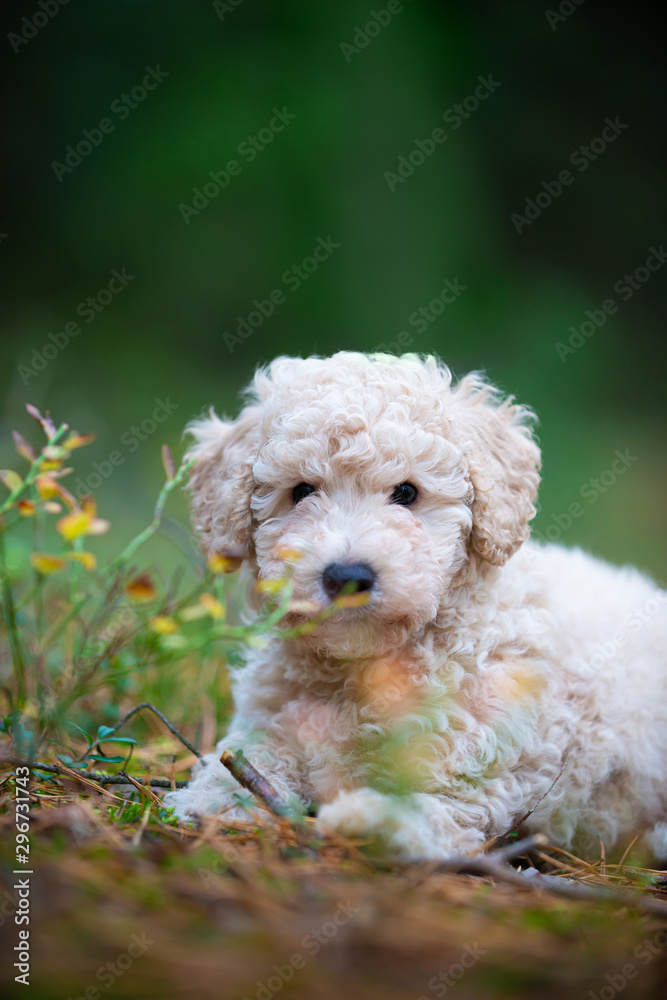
{"x":440,"y":712}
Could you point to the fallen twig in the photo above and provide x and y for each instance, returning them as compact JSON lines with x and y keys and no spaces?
{"x":168,"y":724}
{"x":249,"y":777}
{"x":101,"y":779}
{"x":143,"y":787}
{"x":530,"y":812}
{"x":494,"y":865}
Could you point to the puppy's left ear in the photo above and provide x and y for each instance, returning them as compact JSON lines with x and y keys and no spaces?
{"x":503,"y":462}
{"x":221,"y":481}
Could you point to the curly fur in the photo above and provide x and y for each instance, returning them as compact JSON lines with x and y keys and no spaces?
{"x":482,"y":661}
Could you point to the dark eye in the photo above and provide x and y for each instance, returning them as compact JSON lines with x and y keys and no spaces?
{"x":405,"y":494}
{"x":301,"y":491}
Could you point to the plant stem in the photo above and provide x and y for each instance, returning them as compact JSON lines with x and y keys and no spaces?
{"x":33,"y":472}
{"x":38,"y":592}
{"x":148,"y":532}
{"x":18,"y":659}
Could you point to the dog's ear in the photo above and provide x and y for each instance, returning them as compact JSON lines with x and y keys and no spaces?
{"x":503,"y":461}
{"x":221,"y":481}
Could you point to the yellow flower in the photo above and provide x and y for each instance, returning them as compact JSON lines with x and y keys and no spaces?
{"x":141,"y":589}
{"x":78,"y":440}
{"x":212,"y":605}
{"x":288,"y":555}
{"x":163,"y":624}
{"x":271,"y":586}
{"x":26,"y":508}
{"x":82,"y":522}
{"x":45,"y":563}
{"x":351,"y":600}
{"x":224,"y":564}
{"x":48,"y":488}
{"x":87,"y":559}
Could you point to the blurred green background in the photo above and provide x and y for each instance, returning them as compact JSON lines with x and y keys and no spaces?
{"x":361,"y":98}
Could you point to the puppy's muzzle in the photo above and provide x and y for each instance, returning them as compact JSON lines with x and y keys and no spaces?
{"x":354,"y":577}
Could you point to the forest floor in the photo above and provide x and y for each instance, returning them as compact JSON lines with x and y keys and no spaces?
{"x":123,"y":902}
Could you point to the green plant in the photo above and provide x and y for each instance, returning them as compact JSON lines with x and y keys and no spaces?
{"x":76,"y":635}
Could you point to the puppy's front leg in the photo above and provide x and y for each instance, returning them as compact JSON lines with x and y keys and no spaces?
{"x":214,"y":791}
{"x":408,"y":826}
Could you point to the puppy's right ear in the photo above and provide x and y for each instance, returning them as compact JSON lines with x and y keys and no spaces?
{"x":221,"y":481}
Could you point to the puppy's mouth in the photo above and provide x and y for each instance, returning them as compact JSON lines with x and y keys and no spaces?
{"x":304,"y":616}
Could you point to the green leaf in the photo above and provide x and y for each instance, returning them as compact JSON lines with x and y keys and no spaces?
{"x":44,"y":775}
{"x":74,"y":764}
{"x":105,"y":760}
{"x":23,"y":448}
{"x":117,"y":739}
{"x":83,"y":731}
{"x":168,"y":462}
{"x":44,"y":422}
{"x":11,"y":479}
{"x":103,"y":731}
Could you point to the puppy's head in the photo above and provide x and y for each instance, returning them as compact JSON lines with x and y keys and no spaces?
{"x":384,"y":476}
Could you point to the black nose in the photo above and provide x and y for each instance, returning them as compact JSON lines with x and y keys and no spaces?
{"x":351,"y":576}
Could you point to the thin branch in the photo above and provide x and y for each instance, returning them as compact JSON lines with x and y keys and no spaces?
{"x":143,"y":787}
{"x":486,"y":864}
{"x":494,"y":865}
{"x":168,"y":724}
{"x":530,"y":812}
{"x":101,"y":779}
{"x":519,"y":848}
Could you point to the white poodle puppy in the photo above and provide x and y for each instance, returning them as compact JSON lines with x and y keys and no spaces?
{"x":439,"y":712}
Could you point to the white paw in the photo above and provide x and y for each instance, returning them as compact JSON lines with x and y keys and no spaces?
{"x":407,"y":827}
{"x":390,"y":821}
{"x":363,"y":812}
